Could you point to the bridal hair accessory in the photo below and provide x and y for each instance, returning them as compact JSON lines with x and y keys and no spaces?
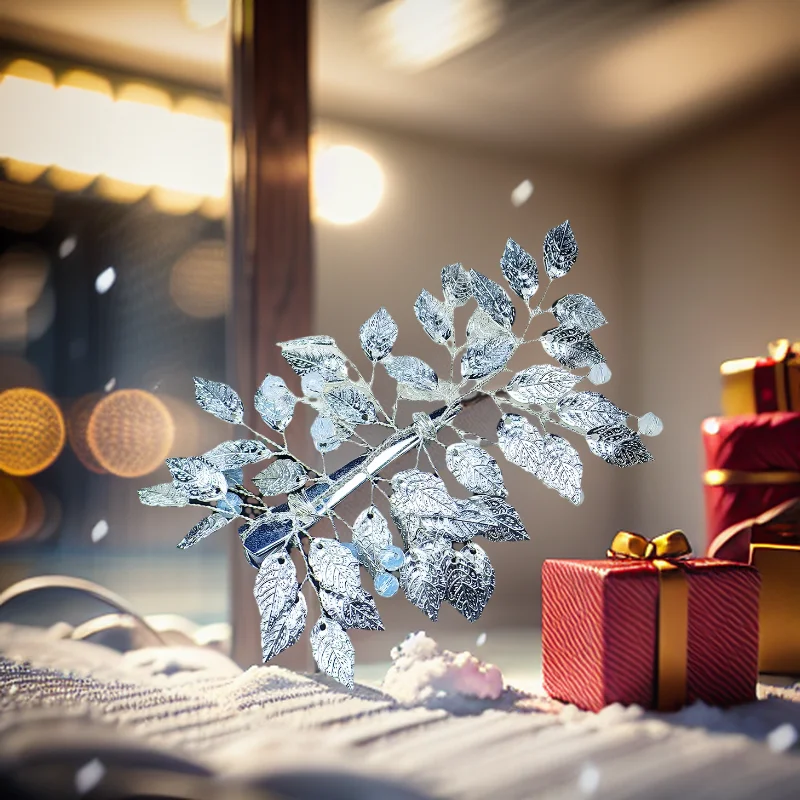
{"x":439,"y":560}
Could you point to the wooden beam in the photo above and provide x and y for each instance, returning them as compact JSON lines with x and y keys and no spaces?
{"x":270,"y":236}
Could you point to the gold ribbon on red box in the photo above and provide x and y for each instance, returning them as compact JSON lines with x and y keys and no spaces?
{"x":664,"y":552}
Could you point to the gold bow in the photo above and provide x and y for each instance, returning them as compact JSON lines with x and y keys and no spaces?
{"x":664,"y":552}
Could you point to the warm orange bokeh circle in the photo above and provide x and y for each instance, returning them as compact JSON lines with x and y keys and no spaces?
{"x":12,"y":509}
{"x":32,"y":431}
{"x":78,"y":416}
{"x":130,"y":433}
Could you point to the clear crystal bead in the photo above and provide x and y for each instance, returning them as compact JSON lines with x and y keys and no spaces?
{"x":650,"y":424}
{"x":386,"y":585}
{"x":312,"y":384}
{"x":230,"y":504}
{"x":392,"y":558}
{"x":599,"y":373}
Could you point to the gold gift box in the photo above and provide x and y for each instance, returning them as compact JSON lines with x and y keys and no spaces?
{"x":756,"y":385}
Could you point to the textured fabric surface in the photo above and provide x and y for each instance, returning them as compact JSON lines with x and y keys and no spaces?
{"x":269,"y":727}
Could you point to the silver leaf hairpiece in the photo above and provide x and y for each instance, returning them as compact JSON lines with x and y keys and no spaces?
{"x":439,"y":560}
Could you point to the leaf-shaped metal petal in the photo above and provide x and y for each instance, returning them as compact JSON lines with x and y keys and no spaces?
{"x":578,"y":311}
{"x":351,"y":405}
{"x":234,"y":477}
{"x":522,"y":444}
{"x":618,"y":445}
{"x":561,"y":468}
{"x":472,"y":518}
{"x":327,"y":434}
{"x":456,"y":285}
{"x":434,"y":317}
{"x":285,"y":630}
{"x":476,"y":469}
{"x":333,"y":651}
{"x":493,"y":299}
{"x":232,"y":455}
{"x":204,"y":528}
{"x":423,"y":576}
{"x":560,"y":250}
{"x":486,"y":356}
{"x":275,"y":587}
{"x":571,"y":347}
{"x":508,"y":526}
{"x":520,"y":270}
{"x":420,"y":494}
{"x":197,"y":479}
{"x":163,"y":494}
{"x":470,"y":581}
{"x":587,"y":410}
{"x":218,"y":399}
{"x":371,"y":536}
{"x":275,"y":403}
{"x":542,"y":384}
{"x":334,"y":567}
{"x":315,"y":354}
{"x":378,"y":335}
{"x":284,"y":475}
{"x":359,"y":611}
{"x":411,"y":371}
{"x":482,"y":326}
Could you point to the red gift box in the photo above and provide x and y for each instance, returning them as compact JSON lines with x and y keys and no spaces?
{"x":656,"y":632}
{"x":752,"y":465}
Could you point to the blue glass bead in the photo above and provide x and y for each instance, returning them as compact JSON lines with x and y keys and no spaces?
{"x":386,"y":585}
{"x":230,"y":504}
{"x":234,"y":477}
{"x":392,"y":558}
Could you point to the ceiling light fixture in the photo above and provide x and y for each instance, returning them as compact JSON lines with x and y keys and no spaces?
{"x":347,"y":184}
{"x":205,"y":13}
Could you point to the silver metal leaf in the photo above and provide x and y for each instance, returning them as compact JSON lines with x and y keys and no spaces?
{"x":285,"y":630}
{"x":284,"y":475}
{"x":378,"y":335}
{"x":520,"y":270}
{"x":434,"y":317}
{"x":560,"y":250}
{"x":618,"y":445}
{"x":351,"y":405}
{"x":486,"y":356}
{"x":481,"y":326}
{"x":312,"y":384}
{"x":334,"y":567}
{"x":218,"y":399}
{"x":276,"y":586}
{"x":204,"y":528}
{"x":542,"y":384}
{"x":317,"y":354}
{"x":456,"y":285}
{"x":578,"y":311}
{"x":275,"y":403}
{"x":234,"y":477}
{"x":371,"y":536}
{"x":235,"y":454}
{"x":522,"y":443}
{"x":197,"y":479}
{"x":473,"y":518}
{"x":493,"y":299}
{"x":588,"y":410}
{"x":571,"y":347}
{"x":561,"y":468}
{"x":327,"y":434}
{"x":470,"y":581}
{"x":423,"y":576}
{"x":412,"y":371}
{"x":420,"y":494}
{"x":359,"y":611}
{"x":163,"y":494}
{"x":508,"y":526}
{"x":476,"y":469}
{"x":333,"y":651}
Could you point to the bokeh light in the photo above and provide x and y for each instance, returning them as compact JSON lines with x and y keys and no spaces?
{"x":23,"y":275}
{"x":78,"y":417}
{"x":130,"y":433}
{"x":32,"y":431}
{"x":347,"y":184}
{"x":34,"y":509}
{"x":199,"y":280}
{"x":12,"y":509}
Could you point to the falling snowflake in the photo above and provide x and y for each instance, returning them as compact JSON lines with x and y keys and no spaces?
{"x":439,"y":561}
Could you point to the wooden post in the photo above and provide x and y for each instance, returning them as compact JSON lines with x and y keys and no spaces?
{"x":270,"y":237}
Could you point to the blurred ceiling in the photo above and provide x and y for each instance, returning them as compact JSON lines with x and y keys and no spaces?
{"x":590,"y":78}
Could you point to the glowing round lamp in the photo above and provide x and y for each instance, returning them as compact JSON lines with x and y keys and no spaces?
{"x":347,"y":184}
{"x":32,"y":431}
{"x":130,"y":433}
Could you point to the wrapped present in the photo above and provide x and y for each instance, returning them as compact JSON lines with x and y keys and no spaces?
{"x":649,"y":626}
{"x":771,"y":543}
{"x":752,"y":465}
{"x":756,"y":385}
